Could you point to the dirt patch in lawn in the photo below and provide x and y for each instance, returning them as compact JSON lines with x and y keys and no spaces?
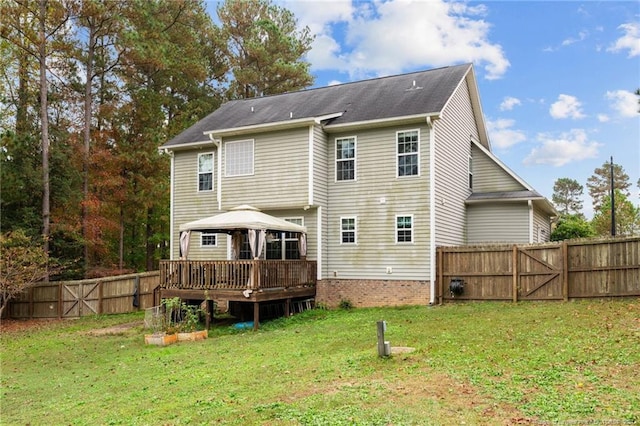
{"x":115,"y":329}
{"x":19,"y":325}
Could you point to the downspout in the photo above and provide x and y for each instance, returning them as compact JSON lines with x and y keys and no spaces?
{"x":217,"y":143}
{"x":432,"y":213}
{"x":171,"y":203}
{"x":530,"y":204}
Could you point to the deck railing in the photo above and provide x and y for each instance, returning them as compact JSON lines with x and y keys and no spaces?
{"x":236,"y":274}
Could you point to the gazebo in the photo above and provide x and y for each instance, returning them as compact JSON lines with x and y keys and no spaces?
{"x":252,"y":280}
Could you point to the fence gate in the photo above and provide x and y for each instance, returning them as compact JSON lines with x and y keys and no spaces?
{"x":538,"y":273}
{"x":80,"y":299}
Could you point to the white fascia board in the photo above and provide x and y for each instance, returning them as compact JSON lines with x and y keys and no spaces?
{"x":501,"y":164}
{"x":334,"y":128}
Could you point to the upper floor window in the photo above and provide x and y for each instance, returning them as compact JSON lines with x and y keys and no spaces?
{"x":348,"y":230}
{"x":208,"y":240}
{"x":404,"y":229}
{"x":205,"y":172}
{"x":346,"y":158}
{"x":239,"y":158}
{"x":408,"y":148}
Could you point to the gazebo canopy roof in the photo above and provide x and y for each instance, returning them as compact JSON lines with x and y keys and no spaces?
{"x":242,"y":218}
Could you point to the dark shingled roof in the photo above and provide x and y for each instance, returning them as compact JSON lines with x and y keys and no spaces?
{"x":504,"y":196}
{"x":423,"y":92}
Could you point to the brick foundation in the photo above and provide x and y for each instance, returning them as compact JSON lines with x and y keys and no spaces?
{"x":372,"y":293}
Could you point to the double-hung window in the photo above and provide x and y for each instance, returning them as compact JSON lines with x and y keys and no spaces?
{"x":208,"y":240}
{"x":408,"y":148}
{"x":404,"y":229}
{"x":205,"y":172}
{"x":346,"y":158}
{"x":348,"y":230}
{"x":239,"y":158}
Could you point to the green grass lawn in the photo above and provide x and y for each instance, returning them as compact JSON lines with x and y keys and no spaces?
{"x":477,"y":363}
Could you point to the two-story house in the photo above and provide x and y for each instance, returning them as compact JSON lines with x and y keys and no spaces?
{"x":380,"y":172}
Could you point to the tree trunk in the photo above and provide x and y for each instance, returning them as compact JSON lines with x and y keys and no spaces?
{"x":88,"y":102}
{"x":44,"y":118}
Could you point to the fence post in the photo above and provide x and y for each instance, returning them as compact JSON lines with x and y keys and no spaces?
{"x":565,"y":270}
{"x":100,"y":290}
{"x":514,"y":261}
{"x":60,"y":301}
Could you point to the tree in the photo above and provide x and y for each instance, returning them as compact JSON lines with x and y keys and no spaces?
{"x":599,"y":183}
{"x":572,"y":226}
{"x":22,"y":264}
{"x":627,"y":216}
{"x":567,"y":195}
{"x":38,"y":29}
{"x":265,"y":49}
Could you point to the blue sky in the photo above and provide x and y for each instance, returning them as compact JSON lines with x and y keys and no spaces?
{"x":556,"y":79}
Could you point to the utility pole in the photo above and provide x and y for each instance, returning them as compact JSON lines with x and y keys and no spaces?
{"x":613,"y":203}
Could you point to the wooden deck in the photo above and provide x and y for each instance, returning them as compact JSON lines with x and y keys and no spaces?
{"x":246,"y":281}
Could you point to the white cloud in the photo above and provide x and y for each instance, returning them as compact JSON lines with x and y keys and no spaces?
{"x":382,"y":38}
{"x":629,"y":41}
{"x":559,"y":150}
{"x":603,"y":118}
{"x":625,"y":103}
{"x":566,"y":106}
{"x":509,"y":102}
{"x":571,"y":40}
{"x":501,"y":134}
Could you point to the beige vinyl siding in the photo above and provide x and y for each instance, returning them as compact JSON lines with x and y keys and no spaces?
{"x":320,"y":166}
{"x":453,"y":134}
{"x":489,"y":176}
{"x":189,"y":204}
{"x":376,"y":198}
{"x":541,"y":226}
{"x":498,"y":223}
{"x":281,"y":172}
{"x":321,"y":175}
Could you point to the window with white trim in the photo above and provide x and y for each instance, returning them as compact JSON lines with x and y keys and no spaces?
{"x":346,"y":158}
{"x":239,"y":158}
{"x":348,"y":231}
{"x":208,"y":240}
{"x":408,"y":148}
{"x":404,"y":229}
{"x":205,"y":172}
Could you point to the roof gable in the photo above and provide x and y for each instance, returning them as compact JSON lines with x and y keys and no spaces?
{"x":423,"y":92}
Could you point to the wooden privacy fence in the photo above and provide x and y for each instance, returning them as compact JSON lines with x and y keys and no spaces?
{"x":551,"y":271}
{"x":73,"y":299}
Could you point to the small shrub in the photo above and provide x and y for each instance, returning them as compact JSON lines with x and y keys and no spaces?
{"x":345,"y":304}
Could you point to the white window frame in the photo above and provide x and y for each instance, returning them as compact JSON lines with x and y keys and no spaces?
{"x":247,"y":168}
{"x":354,"y":230}
{"x":354,"y":159}
{"x":204,"y":235}
{"x":412,"y":229}
{"x":398,"y":154}
{"x":213,"y":157}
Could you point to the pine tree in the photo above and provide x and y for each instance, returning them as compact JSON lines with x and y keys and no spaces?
{"x":567,"y":195}
{"x":599,"y":183}
{"x":264,"y":48}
